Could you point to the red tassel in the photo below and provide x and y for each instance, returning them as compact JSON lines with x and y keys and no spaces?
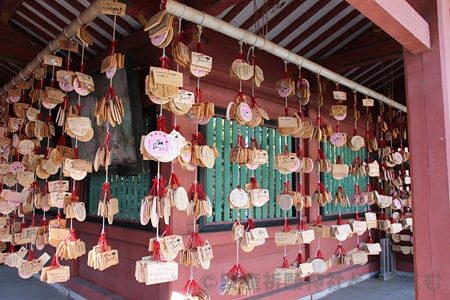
{"x":110,"y":94}
{"x":161,"y":124}
{"x":200,"y":140}
{"x":195,"y":240}
{"x":319,"y":121}
{"x":357,"y":217}
{"x":71,"y":236}
{"x":300,"y":152}
{"x":250,"y":224}
{"x":286,"y":186}
{"x":174,"y":181}
{"x":319,"y":254}
{"x":319,"y":220}
{"x":102,"y":242}
{"x":192,"y":288}
{"x":30,"y":256}
{"x":157,"y":254}
{"x":82,"y":67}
{"x":253,"y":102}
{"x":300,"y":258}
{"x":285,"y":262}
{"x":198,"y":95}
{"x":253,"y":182}
{"x":286,"y":226}
{"x":112,"y":47}
{"x":320,"y":154}
{"x":303,"y":225}
{"x":339,"y":220}
{"x":167,"y":230}
{"x":340,"y":250}
{"x":320,"y":187}
{"x":55,"y":262}
{"x":164,"y":62}
{"x":23,"y":225}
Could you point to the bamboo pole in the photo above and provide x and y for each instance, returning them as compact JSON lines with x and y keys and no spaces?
{"x":190,"y":14}
{"x":70,"y":31}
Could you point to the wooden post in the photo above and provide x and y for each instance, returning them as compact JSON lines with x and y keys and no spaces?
{"x":428,"y":100}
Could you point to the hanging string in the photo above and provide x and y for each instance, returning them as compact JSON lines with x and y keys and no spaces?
{"x":237,"y":251}
{"x":106,"y":187}
{"x":391,"y":124}
{"x":299,"y":147}
{"x":196,"y":127}
{"x":355,"y":120}
{"x":299,"y":84}
{"x":285,"y":261}
{"x":367,"y":133}
{"x":64,"y":109}
{"x":383,"y":145}
{"x":319,"y":118}
{"x":252,"y":49}
{"x":286,"y":75}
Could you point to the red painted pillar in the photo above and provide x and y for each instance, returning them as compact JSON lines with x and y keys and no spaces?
{"x":428,"y":101}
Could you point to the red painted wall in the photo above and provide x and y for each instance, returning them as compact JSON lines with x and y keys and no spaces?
{"x":132,"y":244}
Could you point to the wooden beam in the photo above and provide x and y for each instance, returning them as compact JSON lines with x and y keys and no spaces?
{"x":314,"y":27}
{"x":235,"y":10}
{"x":284,"y":13}
{"x":399,"y":20}
{"x":371,"y":48}
{"x":213,"y":7}
{"x":10,"y":5}
{"x":259,"y":13}
{"x":299,"y":21}
{"x":16,"y":53}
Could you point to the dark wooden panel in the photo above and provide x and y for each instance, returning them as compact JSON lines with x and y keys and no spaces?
{"x":299,"y":21}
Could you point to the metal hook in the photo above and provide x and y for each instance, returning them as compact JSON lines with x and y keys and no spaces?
{"x":13,"y":82}
{"x":29,"y":69}
{"x":39,"y":57}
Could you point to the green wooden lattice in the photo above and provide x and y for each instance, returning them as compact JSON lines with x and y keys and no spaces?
{"x":225,"y":176}
{"x":129,"y":190}
{"x":348,"y":183}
